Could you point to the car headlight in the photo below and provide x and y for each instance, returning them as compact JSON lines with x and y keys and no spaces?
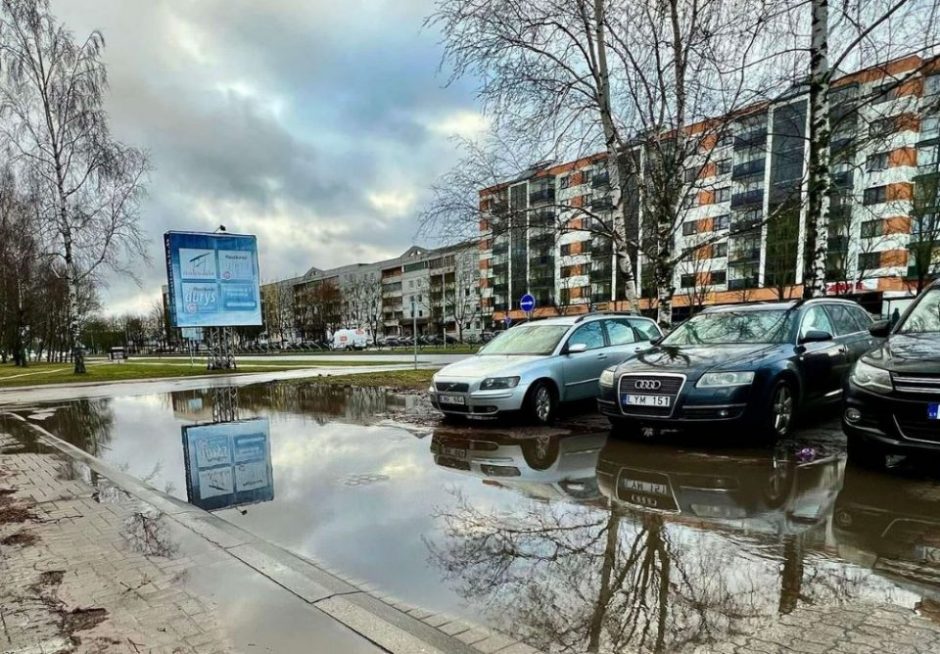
{"x":725,"y":379}
{"x":872,"y":378}
{"x":607,"y":377}
{"x":496,"y":383}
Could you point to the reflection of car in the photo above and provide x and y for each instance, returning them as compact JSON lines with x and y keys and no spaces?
{"x":892,"y":398}
{"x":891,"y":525}
{"x":538,"y":466}
{"x":757,"y":492}
{"x":536,"y":365}
{"x":754,"y":365}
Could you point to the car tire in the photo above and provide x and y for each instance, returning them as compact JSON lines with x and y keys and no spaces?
{"x":541,"y":452}
{"x":781,"y":411}
{"x":541,"y":403}
{"x":865,"y":454}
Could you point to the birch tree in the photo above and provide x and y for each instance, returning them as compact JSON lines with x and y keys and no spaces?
{"x":52,"y":117}
{"x":851,"y":35}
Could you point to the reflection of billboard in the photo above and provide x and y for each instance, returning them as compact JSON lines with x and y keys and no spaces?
{"x":213,"y":279}
{"x":228,"y":464}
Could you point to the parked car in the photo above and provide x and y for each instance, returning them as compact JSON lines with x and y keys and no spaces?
{"x":752,"y":365}
{"x":536,"y":365}
{"x":892,"y":398}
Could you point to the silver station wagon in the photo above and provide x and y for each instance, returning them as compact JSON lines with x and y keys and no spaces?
{"x":535,"y":366}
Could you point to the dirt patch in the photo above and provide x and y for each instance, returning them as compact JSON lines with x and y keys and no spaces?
{"x":82,"y":620}
{"x":48,"y":580}
{"x":6,"y":491}
{"x":21,"y":538}
{"x":15,"y":515}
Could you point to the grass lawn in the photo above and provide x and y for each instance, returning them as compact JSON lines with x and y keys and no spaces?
{"x":245,"y":363}
{"x":404,"y":350}
{"x":61,"y":373}
{"x":404,"y":380}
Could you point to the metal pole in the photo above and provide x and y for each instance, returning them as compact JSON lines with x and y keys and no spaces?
{"x":414,"y":331}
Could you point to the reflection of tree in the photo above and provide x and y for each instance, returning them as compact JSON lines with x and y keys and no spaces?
{"x":86,"y":424}
{"x":571,"y":578}
{"x":321,"y":401}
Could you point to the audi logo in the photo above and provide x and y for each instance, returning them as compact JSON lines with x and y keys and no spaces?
{"x":647,"y":384}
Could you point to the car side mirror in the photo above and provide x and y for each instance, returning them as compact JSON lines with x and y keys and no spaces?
{"x":577,"y":347}
{"x":657,"y":340}
{"x":816,"y":336}
{"x":880,"y":328}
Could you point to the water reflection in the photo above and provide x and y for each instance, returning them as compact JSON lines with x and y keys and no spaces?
{"x":547,"y":466}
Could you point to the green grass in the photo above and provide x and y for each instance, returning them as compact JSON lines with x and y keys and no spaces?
{"x":404,"y":380}
{"x":422,"y":349}
{"x":246,"y":362}
{"x":61,"y":373}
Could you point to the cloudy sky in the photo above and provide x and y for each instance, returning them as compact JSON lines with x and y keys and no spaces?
{"x":317,"y":125}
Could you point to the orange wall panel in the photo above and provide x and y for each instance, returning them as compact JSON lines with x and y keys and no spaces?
{"x":706,"y":197}
{"x":900,"y":191}
{"x":902,"y":157}
{"x":897,"y":225}
{"x":894,"y":258}
{"x":708,"y":170}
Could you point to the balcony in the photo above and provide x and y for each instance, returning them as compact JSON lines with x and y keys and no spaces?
{"x":544,"y":218}
{"x":837,"y":243}
{"x":600,"y":180}
{"x":748,"y":168}
{"x":542,"y":239}
{"x":742,"y":283}
{"x":542,"y":195}
{"x":544,"y":281}
{"x":602,"y":203}
{"x":754,"y":138}
{"x":742,"y":256}
{"x":501,"y":269}
{"x":500,"y":249}
{"x":843,"y":179}
{"x":841,"y":144}
{"x":747,"y":198}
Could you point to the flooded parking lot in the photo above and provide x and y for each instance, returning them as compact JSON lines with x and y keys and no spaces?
{"x":567,"y":537}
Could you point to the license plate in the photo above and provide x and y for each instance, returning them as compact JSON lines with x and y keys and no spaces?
{"x":452,"y":399}
{"x":933,"y":411}
{"x":454,"y":452}
{"x":660,"y":401}
{"x":642,"y":488}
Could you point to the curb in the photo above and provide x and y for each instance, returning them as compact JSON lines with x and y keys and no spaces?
{"x":394,"y":626}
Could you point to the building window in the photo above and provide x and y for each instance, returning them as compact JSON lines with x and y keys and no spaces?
{"x":885,"y":92}
{"x":869,"y":260}
{"x":724,"y":166}
{"x":721,"y":222}
{"x":719,"y":250}
{"x":689,"y":227}
{"x":723,"y":194}
{"x":875,"y":195}
{"x":565,"y":249}
{"x":687,"y":281}
{"x":691,"y":174}
{"x":876,"y":162}
{"x":420,"y":313}
{"x":565,"y":181}
{"x":882,"y":127}
{"x":570,"y":271}
{"x":719,"y":276}
{"x":930,"y":126}
{"x":872,"y":228}
{"x":932,"y":85}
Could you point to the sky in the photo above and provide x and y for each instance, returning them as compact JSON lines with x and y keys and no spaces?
{"x":319,"y":126}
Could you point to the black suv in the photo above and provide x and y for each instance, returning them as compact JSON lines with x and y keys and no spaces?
{"x":750,"y":365}
{"x":892,"y":396}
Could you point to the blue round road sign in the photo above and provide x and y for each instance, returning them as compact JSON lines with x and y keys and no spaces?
{"x":527,"y":303}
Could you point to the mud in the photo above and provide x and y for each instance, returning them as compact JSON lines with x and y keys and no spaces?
{"x":21,"y":538}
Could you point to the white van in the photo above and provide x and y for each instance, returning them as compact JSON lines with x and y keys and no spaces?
{"x":350,"y":339}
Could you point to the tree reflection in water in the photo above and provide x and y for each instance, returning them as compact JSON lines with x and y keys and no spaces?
{"x":575,"y":578}
{"x":86,"y":424}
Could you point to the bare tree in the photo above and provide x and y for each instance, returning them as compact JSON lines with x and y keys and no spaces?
{"x":363,"y":299}
{"x":465,"y":306}
{"x":277,"y":300}
{"x":318,"y":308}
{"x":52,"y":118}
{"x":924,"y":247}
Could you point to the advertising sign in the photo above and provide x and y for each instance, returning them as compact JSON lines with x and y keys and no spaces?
{"x":213,"y":279}
{"x":228,"y":464}
{"x":192,"y":333}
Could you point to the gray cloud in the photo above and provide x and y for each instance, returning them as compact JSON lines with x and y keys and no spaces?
{"x":314,"y":124}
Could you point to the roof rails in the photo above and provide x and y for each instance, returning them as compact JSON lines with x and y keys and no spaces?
{"x":589,"y":314}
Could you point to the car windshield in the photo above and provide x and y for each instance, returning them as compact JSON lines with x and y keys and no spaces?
{"x":732,"y":327}
{"x":527,"y":339}
{"x":925,"y":318}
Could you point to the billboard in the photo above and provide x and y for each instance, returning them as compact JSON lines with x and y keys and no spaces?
{"x":228,"y":464}
{"x":213,"y":279}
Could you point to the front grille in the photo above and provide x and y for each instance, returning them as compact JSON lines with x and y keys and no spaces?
{"x":452,"y":387}
{"x":917,"y":384}
{"x":913,"y":424}
{"x":669,"y":385}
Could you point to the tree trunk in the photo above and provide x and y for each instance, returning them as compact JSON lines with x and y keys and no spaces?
{"x":605,"y":592}
{"x":78,"y":356}
{"x":819,"y":141}
{"x":617,"y":170}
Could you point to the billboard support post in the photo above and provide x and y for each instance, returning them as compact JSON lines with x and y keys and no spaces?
{"x":221,"y":350}
{"x":225,"y":404}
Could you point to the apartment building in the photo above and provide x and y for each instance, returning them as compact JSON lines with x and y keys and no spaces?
{"x":744,"y":211}
{"x":433,"y":290}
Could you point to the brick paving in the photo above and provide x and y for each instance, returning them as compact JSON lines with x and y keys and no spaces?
{"x":93,"y":572}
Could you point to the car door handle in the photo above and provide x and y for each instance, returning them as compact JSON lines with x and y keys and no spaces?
{"x":843,"y":349}
{"x":601,"y":355}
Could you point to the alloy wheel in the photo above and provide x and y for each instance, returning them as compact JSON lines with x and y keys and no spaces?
{"x":543,"y":404}
{"x":782,"y":408}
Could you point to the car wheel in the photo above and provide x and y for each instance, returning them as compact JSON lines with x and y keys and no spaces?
{"x":782,"y":410}
{"x":541,"y":452}
{"x":864,"y":454}
{"x":541,"y":403}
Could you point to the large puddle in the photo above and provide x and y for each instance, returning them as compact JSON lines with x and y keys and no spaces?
{"x":567,"y":538}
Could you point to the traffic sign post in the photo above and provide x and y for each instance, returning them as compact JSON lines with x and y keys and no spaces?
{"x":527,"y":304}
